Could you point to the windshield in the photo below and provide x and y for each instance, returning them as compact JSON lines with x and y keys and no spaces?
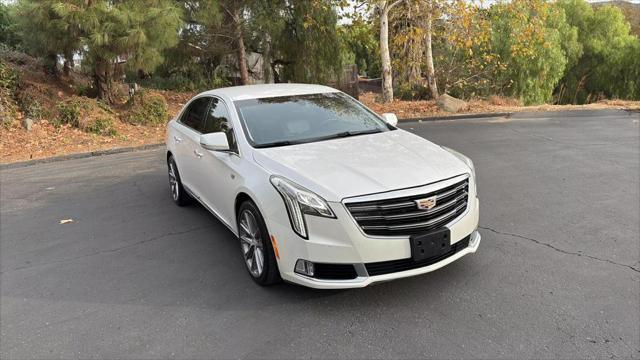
{"x":288,"y":120}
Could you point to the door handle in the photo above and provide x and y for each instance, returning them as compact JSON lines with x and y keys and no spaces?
{"x":177,"y":139}
{"x":198,"y":154}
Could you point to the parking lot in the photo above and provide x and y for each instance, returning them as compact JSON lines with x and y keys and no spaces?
{"x":134,"y":276}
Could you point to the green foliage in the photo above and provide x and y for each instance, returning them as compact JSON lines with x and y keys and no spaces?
{"x":9,"y":77}
{"x":192,"y":80}
{"x":8,"y":32}
{"x":44,"y":32}
{"x":9,"y":81}
{"x":31,"y":106}
{"x":608,"y":65}
{"x":87,"y":90}
{"x":147,"y":109}
{"x":297,"y":41}
{"x":69,"y":112}
{"x":102,"y":126}
{"x":359,"y":38}
{"x":109,"y":34}
{"x":86,"y":114}
{"x":525,"y":37}
{"x":309,"y":42}
{"x":412,"y":92}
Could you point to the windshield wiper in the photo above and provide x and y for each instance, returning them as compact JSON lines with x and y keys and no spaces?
{"x":355,"y":133}
{"x":277,"y":143}
{"x":334,"y":136}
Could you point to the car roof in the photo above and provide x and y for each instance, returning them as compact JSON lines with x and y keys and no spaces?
{"x":246,"y":92}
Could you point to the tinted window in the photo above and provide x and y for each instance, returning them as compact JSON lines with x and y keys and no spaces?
{"x":285,"y":120}
{"x":194,"y":116}
{"x":218,"y":120}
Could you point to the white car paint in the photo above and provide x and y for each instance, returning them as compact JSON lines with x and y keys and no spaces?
{"x":360,"y":168}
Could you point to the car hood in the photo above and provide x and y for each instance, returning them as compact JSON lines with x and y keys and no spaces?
{"x":361,"y":165}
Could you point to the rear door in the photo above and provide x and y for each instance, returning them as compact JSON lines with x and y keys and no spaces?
{"x":187,"y":136}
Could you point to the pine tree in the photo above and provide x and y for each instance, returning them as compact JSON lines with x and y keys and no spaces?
{"x":110,"y":34}
{"x":45,"y":33}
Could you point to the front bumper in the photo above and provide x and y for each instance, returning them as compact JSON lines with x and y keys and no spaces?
{"x":341,"y":241}
{"x":364,"y":280}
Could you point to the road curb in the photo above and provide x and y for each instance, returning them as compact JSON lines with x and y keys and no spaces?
{"x":456,"y":117}
{"x":20,"y":164}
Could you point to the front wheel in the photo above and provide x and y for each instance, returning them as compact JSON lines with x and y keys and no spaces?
{"x":255,"y":245}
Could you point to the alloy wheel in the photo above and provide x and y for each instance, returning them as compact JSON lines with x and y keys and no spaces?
{"x":173,"y":182}
{"x":251,"y":243}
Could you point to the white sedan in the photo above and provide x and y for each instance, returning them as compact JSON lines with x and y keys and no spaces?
{"x":319,"y":190}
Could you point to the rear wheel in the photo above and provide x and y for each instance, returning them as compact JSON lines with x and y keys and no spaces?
{"x":178,"y":194}
{"x":255,"y":245}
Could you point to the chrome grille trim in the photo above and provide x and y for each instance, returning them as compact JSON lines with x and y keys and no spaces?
{"x":406,"y":204}
{"x":400,"y":216}
{"x":414,"y":214}
{"x":431,"y":222}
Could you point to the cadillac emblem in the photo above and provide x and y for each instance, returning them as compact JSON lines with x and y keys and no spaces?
{"x":426,"y":203}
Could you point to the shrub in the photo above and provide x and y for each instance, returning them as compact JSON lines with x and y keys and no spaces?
{"x":8,"y":83}
{"x":87,"y":90}
{"x":69,"y":112}
{"x":86,"y":114}
{"x":102,"y":126}
{"x":147,"y":109}
{"x":412,"y":92}
{"x":19,"y":58}
{"x":9,"y":77}
{"x":8,"y":108}
{"x":29,"y":99}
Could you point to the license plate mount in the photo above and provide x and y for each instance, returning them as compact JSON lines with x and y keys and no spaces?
{"x":429,"y":245}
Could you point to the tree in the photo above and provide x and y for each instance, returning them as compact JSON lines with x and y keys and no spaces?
{"x":431,"y":74}
{"x":607,"y":63}
{"x":226,"y":19}
{"x":359,"y":38}
{"x":46,"y":33}
{"x":527,"y":40}
{"x":383,"y":8}
{"x":8,"y":31}
{"x":308,"y":47}
{"x":114,"y":35}
{"x":468,"y":66}
{"x":413,"y":40}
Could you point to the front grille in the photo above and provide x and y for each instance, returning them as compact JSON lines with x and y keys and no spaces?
{"x":334,"y":271}
{"x":388,"y":267}
{"x":401,"y":216}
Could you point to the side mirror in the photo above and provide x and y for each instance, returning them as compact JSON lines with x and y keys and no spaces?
{"x":216,"y":141}
{"x":390,"y":118}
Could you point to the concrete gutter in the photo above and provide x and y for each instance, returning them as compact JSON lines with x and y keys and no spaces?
{"x":457,"y":117}
{"x":79,"y":156}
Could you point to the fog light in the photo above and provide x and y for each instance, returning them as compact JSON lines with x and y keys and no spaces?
{"x":304,"y":267}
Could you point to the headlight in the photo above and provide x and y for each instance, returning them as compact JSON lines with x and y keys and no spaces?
{"x":300,"y":202}
{"x":466,"y":160}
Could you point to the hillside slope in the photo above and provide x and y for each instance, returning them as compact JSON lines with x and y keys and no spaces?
{"x":29,"y":93}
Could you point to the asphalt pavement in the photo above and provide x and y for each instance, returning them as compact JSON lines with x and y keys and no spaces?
{"x":131,"y":275}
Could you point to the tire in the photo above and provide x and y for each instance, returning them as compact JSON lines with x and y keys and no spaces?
{"x":253,"y":243}
{"x":178,"y":194}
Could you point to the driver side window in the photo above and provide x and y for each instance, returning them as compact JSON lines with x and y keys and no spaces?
{"x":218,"y":121}
{"x":194,"y":116}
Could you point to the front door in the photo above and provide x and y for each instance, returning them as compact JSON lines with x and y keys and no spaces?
{"x":219,"y":177}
